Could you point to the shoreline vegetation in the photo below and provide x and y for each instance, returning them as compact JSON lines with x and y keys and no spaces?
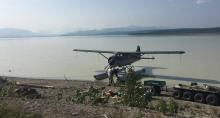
{"x":61,"y":100}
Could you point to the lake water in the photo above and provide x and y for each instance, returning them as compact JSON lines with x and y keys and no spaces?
{"x":52,"y":57}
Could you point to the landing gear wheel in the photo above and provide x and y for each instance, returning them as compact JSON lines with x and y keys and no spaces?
{"x":212,"y":99}
{"x":199,"y":97}
{"x":187,"y":96}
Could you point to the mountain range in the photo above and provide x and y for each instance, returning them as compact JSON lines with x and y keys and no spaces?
{"x":131,"y":30}
{"x":179,"y":31}
{"x":19,"y":33}
{"x":146,"y":31}
{"x":112,"y":31}
{"x":13,"y":32}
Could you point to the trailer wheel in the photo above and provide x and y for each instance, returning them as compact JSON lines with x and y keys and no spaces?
{"x":212,"y":99}
{"x":177,"y":94}
{"x":199,"y":97}
{"x":155,"y":90}
{"x":187,"y":96}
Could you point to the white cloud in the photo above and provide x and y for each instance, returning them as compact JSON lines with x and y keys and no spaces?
{"x":201,"y":1}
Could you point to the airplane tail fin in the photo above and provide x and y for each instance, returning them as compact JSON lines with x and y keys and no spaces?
{"x":138,"y":49}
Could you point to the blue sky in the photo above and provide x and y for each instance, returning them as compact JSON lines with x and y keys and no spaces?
{"x":70,"y":15}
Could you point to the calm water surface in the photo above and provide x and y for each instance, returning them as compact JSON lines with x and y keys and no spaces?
{"x":52,"y":57}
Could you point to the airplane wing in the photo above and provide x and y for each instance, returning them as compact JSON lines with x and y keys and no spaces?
{"x":154,"y":52}
{"x":95,"y":51}
{"x":161,"y":52}
{"x":142,"y":52}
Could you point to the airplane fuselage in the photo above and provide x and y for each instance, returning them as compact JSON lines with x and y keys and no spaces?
{"x":123,"y":59}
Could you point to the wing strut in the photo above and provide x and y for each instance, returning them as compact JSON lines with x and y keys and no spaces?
{"x":103,"y":55}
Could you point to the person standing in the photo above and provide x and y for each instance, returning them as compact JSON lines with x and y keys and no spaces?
{"x":110,"y":76}
{"x":111,"y":72}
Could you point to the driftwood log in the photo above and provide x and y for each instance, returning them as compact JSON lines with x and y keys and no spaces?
{"x":34,"y":86}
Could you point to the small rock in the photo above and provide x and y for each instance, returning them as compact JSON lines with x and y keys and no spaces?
{"x":75,"y":114}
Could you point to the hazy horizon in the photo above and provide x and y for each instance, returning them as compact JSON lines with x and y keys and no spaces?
{"x":56,"y":16}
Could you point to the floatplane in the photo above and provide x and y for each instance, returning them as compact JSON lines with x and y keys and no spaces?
{"x":123,"y":59}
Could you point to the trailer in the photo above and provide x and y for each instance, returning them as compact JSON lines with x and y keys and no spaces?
{"x":194,"y":92}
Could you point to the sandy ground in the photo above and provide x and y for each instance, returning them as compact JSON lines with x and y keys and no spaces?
{"x":50,"y":107}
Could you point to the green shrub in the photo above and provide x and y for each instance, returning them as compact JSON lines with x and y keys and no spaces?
{"x":92,"y":96}
{"x":59,"y":95}
{"x":133,"y":93}
{"x":79,"y":97}
{"x":8,"y":89}
{"x":161,"y":106}
{"x":172,"y":106}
